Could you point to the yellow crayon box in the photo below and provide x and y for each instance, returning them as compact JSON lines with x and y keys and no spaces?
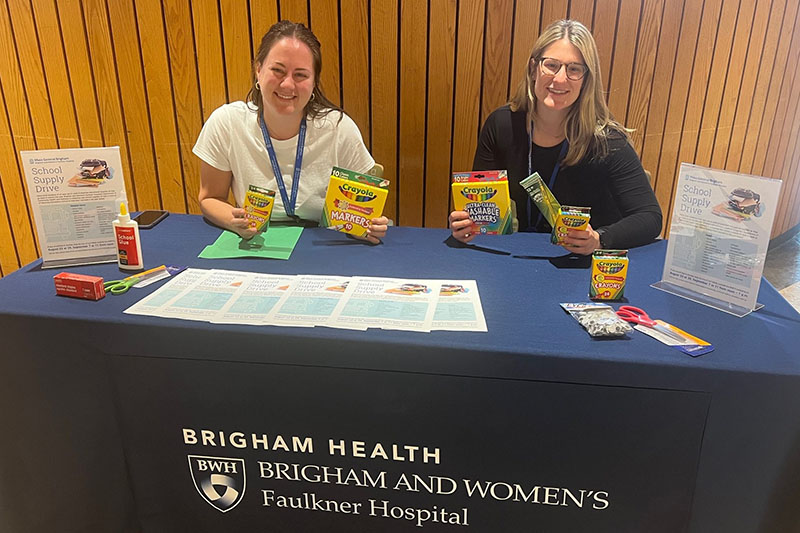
{"x":258,"y":203}
{"x":569,"y":217}
{"x":609,"y":272}
{"x":352,"y":200}
{"x":484,"y":196}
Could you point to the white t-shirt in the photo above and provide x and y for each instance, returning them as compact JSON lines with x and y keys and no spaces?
{"x":231,"y":140}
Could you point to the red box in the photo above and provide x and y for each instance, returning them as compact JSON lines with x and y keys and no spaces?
{"x":79,"y":286}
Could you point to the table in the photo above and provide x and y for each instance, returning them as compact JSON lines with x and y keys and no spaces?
{"x":114,"y":422}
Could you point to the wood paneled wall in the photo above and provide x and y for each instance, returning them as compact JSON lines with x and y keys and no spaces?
{"x":712,"y":82}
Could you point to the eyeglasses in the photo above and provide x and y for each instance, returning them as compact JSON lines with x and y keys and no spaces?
{"x":551,"y":67}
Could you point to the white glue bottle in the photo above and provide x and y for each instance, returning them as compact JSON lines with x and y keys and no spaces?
{"x":129,"y":246}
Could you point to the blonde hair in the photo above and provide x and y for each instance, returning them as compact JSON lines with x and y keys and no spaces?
{"x":589,"y":122}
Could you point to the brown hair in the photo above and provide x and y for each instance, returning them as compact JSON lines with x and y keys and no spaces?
{"x":589,"y":122}
{"x":318,"y":105}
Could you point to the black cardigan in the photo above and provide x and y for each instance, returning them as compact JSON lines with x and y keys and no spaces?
{"x":615,"y":187}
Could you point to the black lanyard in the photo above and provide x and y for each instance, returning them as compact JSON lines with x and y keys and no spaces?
{"x":288,"y":203}
{"x":564,"y":147}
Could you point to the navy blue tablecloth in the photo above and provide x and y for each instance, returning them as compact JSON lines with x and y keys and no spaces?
{"x":78,"y":404}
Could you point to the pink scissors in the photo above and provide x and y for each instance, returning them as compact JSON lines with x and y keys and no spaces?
{"x":636,"y":315}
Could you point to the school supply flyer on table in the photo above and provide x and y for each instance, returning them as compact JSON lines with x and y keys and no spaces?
{"x":155,"y":301}
{"x":74,"y":196}
{"x":389,"y":303}
{"x":309,"y":301}
{"x":718,"y":237}
{"x":233,"y":297}
{"x":206,"y":297}
{"x":255,"y":298}
{"x":456,"y":308}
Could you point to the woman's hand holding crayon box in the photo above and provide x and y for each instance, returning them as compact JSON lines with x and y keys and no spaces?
{"x":561,"y":218}
{"x":569,"y":218}
{"x":258,"y":203}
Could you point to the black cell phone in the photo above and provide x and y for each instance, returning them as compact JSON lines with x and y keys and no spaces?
{"x":148,"y":219}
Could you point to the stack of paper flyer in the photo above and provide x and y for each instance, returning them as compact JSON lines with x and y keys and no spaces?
{"x":233,"y":297}
{"x":75,"y":194}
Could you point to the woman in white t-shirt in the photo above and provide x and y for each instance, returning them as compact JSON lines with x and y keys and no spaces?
{"x":286,"y":137}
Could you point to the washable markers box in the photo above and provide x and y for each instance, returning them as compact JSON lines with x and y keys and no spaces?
{"x":568,"y":218}
{"x":258,"y":204}
{"x":79,"y":286}
{"x":352,"y":200}
{"x":484,"y":196}
{"x":609,"y":272}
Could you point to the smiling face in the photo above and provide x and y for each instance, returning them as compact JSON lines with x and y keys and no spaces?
{"x":558,"y":92}
{"x":286,"y":78}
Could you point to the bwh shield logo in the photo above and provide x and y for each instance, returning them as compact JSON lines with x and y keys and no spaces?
{"x":219,"y":480}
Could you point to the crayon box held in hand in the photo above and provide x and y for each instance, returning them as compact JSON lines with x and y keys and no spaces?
{"x":484,"y":196}
{"x":352,"y":200}
{"x":568,"y":218}
{"x":258,"y":204}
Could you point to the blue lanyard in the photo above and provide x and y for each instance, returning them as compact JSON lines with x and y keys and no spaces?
{"x":564,"y":147}
{"x":288,"y":203}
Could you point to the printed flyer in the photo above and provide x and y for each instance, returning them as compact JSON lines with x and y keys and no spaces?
{"x":389,"y":303}
{"x":459,"y":307}
{"x":254,"y":299}
{"x":206,"y":297}
{"x":721,"y":224}
{"x":150,"y":305}
{"x":304,"y":300}
{"x":75,"y":195}
{"x":310,"y":301}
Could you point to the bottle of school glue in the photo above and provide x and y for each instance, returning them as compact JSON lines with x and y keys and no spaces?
{"x":129,"y":246}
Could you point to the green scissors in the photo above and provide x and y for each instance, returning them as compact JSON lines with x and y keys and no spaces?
{"x":121,"y":286}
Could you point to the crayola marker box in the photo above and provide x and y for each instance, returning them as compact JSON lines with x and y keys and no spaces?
{"x":484,"y":195}
{"x":609,"y":273}
{"x":352,"y":200}
{"x":568,"y":218}
{"x":258,"y":203}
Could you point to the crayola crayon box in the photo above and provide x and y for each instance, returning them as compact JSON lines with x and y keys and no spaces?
{"x":484,"y":195}
{"x":258,"y":203}
{"x":609,"y":273}
{"x":352,"y":200}
{"x":567,"y":218}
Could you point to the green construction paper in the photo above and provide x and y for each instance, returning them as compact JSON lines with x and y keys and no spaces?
{"x":275,"y":243}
